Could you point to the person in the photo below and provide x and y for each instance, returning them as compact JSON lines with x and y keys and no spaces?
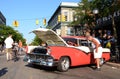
{"x":8,"y":45}
{"x":44,"y":44}
{"x":15,"y":51}
{"x":20,"y":47}
{"x":97,"y":49}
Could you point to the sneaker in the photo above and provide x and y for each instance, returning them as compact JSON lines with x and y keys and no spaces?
{"x":98,"y":69}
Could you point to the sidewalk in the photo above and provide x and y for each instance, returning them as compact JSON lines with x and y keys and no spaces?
{"x":112,"y":64}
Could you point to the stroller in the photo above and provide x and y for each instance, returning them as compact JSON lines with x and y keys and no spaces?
{"x":15,"y":52}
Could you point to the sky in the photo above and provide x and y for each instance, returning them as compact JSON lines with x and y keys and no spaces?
{"x":27,"y":11}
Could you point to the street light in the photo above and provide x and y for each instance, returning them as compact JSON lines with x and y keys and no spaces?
{"x":95,"y":11}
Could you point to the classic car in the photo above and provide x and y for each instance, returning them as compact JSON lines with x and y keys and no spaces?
{"x":62,"y":52}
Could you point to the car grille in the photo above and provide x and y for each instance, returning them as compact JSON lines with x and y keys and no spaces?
{"x":39,"y":56}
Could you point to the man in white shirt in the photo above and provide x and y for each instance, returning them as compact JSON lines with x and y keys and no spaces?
{"x":97,"y":49}
{"x":9,"y":43}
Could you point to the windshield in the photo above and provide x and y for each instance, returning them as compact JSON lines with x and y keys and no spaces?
{"x":71,"y":41}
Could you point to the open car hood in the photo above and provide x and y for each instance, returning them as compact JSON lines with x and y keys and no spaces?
{"x":50,"y":37}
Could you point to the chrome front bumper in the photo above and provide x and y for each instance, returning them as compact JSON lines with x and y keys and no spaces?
{"x":43,"y":60}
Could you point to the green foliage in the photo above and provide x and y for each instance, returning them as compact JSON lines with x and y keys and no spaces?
{"x":84,"y":12}
{"x":49,"y":27}
{"x":36,"y":41}
{"x":106,"y":7}
{"x":6,"y":30}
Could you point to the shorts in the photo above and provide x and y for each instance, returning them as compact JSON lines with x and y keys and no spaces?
{"x":99,"y":53}
{"x":8,"y":50}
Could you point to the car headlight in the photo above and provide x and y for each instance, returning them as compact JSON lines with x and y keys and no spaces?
{"x":49,"y":59}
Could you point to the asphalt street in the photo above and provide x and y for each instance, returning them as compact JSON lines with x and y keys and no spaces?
{"x":21,"y":70}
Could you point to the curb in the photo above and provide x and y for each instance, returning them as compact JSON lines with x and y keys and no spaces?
{"x":117,"y":65}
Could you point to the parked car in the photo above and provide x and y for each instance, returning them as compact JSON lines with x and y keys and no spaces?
{"x":62,"y":52}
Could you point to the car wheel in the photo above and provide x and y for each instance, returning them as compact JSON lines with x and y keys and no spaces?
{"x":102,"y":61}
{"x":63,"y":64}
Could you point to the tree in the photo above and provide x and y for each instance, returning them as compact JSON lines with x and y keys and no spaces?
{"x":83,"y":16}
{"x":6,"y":30}
{"x":106,"y":8}
{"x":83,"y":13}
{"x":36,"y":41}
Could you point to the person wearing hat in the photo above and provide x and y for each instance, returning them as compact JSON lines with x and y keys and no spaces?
{"x":97,"y":49}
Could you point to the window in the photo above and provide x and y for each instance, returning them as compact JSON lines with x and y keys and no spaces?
{"x":85,"y":43}
{"x":71,"y":41}
{"x":66,"y":16}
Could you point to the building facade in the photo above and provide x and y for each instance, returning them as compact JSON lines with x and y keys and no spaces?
{"x":64,"y":11}
{"x":2,"y":19}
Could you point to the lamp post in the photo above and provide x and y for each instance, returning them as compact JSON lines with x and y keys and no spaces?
{"x":95,"y":12}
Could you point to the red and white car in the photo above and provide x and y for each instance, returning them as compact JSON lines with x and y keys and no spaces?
{"x":62,"y":52}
